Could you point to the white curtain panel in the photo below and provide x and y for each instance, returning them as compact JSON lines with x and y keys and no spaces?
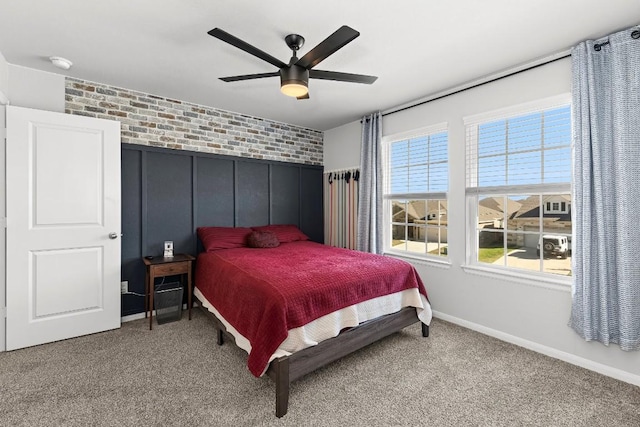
{"x":606,"y":250}
{"x":369,"y":234}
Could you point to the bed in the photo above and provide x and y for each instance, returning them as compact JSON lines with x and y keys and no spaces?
{"x":295,"y":305}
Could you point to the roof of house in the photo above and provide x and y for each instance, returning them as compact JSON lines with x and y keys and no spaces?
{"x":530,"y":208}
{"x":418,"y":210}
{"x":497,"y":204}
{"x":487,"y":214}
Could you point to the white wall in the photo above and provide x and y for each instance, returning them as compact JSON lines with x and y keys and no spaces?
{"x":343,"y":150}
{"x":31,"y":88}
{"x":4,"y":89}
{"x":532,"y":316}
{"x":4,"y":75}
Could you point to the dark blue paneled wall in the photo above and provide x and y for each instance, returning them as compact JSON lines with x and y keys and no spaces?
{"x":167,"y":194}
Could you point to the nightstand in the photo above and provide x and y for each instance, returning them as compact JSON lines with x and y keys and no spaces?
{"x":180,"y":264}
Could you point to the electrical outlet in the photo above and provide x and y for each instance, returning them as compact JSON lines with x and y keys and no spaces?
{"x":124,"y":287}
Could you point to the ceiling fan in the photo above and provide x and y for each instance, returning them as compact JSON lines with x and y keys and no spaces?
{"x":294,"y":76}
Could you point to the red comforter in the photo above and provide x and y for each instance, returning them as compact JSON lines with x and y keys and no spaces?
{"x":265,"y":292}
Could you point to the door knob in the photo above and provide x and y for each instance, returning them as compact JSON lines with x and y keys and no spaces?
{"x":114,"y":235}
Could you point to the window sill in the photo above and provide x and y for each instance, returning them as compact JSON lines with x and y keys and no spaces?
{"x":562,"y":284}
{"x":431,"y":262}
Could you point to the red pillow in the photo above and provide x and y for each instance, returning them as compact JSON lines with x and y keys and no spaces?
{"x":263,"y":239}
{"x":285,"y":233}
{"x":214,"y":238}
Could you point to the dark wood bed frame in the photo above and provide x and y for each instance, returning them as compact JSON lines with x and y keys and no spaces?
{"x":287,"y":369}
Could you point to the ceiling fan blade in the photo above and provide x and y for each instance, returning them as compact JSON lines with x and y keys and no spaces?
{"x":249,"y":77}
{"x":328,"y":46}
{"x":305,"y":96}
{"x":234,"y":41}
{"x":342,"y":77}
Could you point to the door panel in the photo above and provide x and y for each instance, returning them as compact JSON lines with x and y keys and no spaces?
{"x":62,"y":198}
{"x":53,"y":270}
{"x":63,"y":201}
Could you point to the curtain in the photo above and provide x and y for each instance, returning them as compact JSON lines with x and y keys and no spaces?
{"x":606,"y":198}
{"x":341,"y":207}
{"x":369,"y":232}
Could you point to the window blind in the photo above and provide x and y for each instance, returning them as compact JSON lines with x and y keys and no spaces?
{"x":521,"y":153}
{"x":419,"y":166}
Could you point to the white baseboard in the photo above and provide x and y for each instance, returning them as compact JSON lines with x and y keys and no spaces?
{"x":133,"y":317}
{"x":618,"y":374}
{"x":139,"y":316}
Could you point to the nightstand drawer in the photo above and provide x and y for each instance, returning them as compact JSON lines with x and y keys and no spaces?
{"x":170,"y":269}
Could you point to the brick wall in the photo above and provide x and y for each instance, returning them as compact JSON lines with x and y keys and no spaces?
{"x":162,"y":122}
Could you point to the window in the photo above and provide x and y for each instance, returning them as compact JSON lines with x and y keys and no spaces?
{"x":557,"y":207}
{"x":416,"y":184}
{"x":519,"y":188}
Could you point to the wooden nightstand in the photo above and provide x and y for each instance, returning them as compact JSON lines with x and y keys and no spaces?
{"x":179,"y":264}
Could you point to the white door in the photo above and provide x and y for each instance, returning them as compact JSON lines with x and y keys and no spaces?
{"x":63,"y":226}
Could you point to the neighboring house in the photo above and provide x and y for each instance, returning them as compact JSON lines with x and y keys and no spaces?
{"x":524,"y":215}
{"x":491,"y":215}
{"x":556,"y":218}
{"x":491,"y":211}
{"x":432,"y":214}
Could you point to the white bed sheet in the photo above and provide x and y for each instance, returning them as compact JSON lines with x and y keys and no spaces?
{"x":330,"y":325}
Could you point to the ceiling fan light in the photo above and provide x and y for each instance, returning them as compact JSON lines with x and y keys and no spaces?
{"x":294,"y":81}
{"x":294,"y":89}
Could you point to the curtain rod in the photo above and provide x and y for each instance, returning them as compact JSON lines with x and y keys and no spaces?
{"x":598,"y":46}
{"x":342,"y":169}
{"x":549,"y":61}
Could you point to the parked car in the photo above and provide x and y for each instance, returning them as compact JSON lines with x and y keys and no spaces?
{"x":554,"y":246}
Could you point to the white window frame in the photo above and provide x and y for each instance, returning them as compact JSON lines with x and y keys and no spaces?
{"x":471,"y":124}
{"x":387,"y":141}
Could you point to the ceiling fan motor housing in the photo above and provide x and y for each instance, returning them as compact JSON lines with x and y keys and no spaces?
{"x":294,"y":74}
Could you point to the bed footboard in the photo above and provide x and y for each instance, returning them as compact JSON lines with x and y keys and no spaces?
{"x":284,"y":370}
{"x":288,"y":369}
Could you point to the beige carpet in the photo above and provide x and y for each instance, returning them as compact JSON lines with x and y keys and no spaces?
{"x":177,"y":375}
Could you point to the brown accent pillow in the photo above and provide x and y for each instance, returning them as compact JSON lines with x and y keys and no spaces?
{"x":263,"y":239}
